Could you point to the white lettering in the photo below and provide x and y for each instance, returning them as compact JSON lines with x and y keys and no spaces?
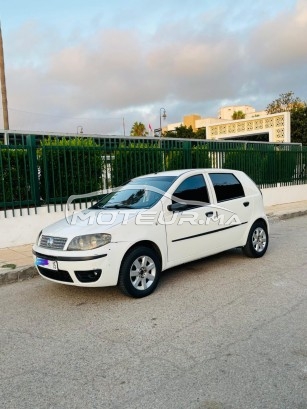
{"x":234,"y":219}
{"x":214,"y":219}
{"x":126,"y":214}
{"x":101,"y":218}
{"x":145,"y":218}
{"x":82,"y":217}
{"x":164,"y":222}
{"x":190,"y":217}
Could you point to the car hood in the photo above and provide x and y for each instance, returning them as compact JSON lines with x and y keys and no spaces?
{"x":91,"y":221}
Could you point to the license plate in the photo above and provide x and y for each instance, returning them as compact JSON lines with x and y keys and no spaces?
{"x":51,"y":265}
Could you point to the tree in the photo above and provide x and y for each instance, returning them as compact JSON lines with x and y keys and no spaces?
{"x":138,"y":129}
{"x":299,"y":125}
{"x":186,"y":133}
{"x":285,"y":102}
{"x":201,"y":133}
{"x":238,"y":115}
{"x":298,"y":110}
{"x":169,"y":134}
{"x":180,"y":132}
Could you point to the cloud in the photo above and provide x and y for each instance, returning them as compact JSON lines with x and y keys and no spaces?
{"x":191,"y":63}
{"x":116,"y":68}
{"x":282,"y":42}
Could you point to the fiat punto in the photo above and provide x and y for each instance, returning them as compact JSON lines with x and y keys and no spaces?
{"x":150,"y":224}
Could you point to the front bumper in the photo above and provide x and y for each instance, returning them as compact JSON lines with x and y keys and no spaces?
{"x":87,"y":269}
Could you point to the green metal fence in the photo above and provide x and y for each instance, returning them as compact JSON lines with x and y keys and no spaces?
{"x":45,"y":170}
{"x":19,"y":188}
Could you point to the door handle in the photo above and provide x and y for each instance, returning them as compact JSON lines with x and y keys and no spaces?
{"x":209,"y":214}
{"x":246,"y":204}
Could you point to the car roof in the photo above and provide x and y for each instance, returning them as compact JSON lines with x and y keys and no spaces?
{"x":179,"y":172}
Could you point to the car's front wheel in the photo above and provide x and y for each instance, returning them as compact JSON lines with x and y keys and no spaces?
{"x":139,"y":272}
{"x":257,"y":241}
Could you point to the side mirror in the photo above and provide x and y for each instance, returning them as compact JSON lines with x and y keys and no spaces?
{"x":177,"y":207}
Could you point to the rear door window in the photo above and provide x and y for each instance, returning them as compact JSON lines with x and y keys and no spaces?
{"x":226,"y":186}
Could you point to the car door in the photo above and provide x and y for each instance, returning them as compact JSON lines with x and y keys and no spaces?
{"x":187,"y":231}
{"x":233,"y":209}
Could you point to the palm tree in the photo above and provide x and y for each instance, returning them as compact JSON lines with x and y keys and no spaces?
{"x":238,"y":115}
{"x":138,"y":129}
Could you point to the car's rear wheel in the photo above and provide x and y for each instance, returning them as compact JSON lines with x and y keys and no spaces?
{"x":140,"y":272}
{"x":257,"y":241}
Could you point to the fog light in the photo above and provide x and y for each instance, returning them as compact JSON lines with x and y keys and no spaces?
{"x":88,"y":276}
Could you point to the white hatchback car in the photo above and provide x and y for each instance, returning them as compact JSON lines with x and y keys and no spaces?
{"x":150,"y":224}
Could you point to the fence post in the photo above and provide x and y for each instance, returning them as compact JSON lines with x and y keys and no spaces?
{"x":187,"y":152}
{"x":34,"y":182}
{"x":6,"y":138}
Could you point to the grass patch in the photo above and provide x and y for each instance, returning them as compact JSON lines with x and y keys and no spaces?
{"x":12,"y":266}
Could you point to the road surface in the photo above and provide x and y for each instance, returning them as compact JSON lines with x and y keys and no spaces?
{"x":225,"y":332}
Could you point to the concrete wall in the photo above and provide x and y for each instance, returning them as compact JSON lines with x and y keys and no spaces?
{"x":284,"y":194}
{"x":24,"y":229}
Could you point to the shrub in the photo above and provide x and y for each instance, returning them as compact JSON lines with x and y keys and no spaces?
{"x":283,"y":165}
{"x":69,"y":166}
{"x":134,"y":160}
{"x":263,"y":166}
{"x":15,"y":175}
{"x":182,"y":158}
{"x":201,"y":157}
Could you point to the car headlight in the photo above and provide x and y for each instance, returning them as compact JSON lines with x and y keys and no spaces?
{"x":89,"y":241}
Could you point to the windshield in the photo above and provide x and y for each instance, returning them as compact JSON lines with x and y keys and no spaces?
{"x":138,"y":193}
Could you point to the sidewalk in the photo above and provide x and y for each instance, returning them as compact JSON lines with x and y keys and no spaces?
{"x":287,"y":210}
{"x":16,"y":263}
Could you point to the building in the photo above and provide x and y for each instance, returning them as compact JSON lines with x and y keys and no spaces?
{"x":275,"y":127}
{"x":248,"y":111}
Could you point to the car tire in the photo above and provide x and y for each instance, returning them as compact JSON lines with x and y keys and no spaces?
{"x":257,"y":241}
{"x":139,"y":272}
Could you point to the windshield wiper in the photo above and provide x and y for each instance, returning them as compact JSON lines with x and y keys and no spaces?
{"x":118,"y":206}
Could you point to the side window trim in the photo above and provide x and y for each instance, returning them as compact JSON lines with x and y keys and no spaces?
{"x":205,"y":186}
{"x":220,"y":200}
{"x":210,"y":188}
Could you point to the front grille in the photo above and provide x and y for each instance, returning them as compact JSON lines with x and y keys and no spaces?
{"x":58,"y":275}
{"x":50,"y":242}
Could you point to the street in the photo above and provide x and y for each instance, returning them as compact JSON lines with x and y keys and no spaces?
{"x":226,"y":332}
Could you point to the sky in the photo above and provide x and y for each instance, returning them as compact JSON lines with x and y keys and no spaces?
{"x":102,"y":65}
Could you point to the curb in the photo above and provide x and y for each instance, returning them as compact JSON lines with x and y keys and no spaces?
{"x":294,"y":214}
{"x":285,"y":216}
{"x":18,"y":274}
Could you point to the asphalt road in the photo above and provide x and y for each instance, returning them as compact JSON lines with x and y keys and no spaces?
{"x":225,"y":332}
